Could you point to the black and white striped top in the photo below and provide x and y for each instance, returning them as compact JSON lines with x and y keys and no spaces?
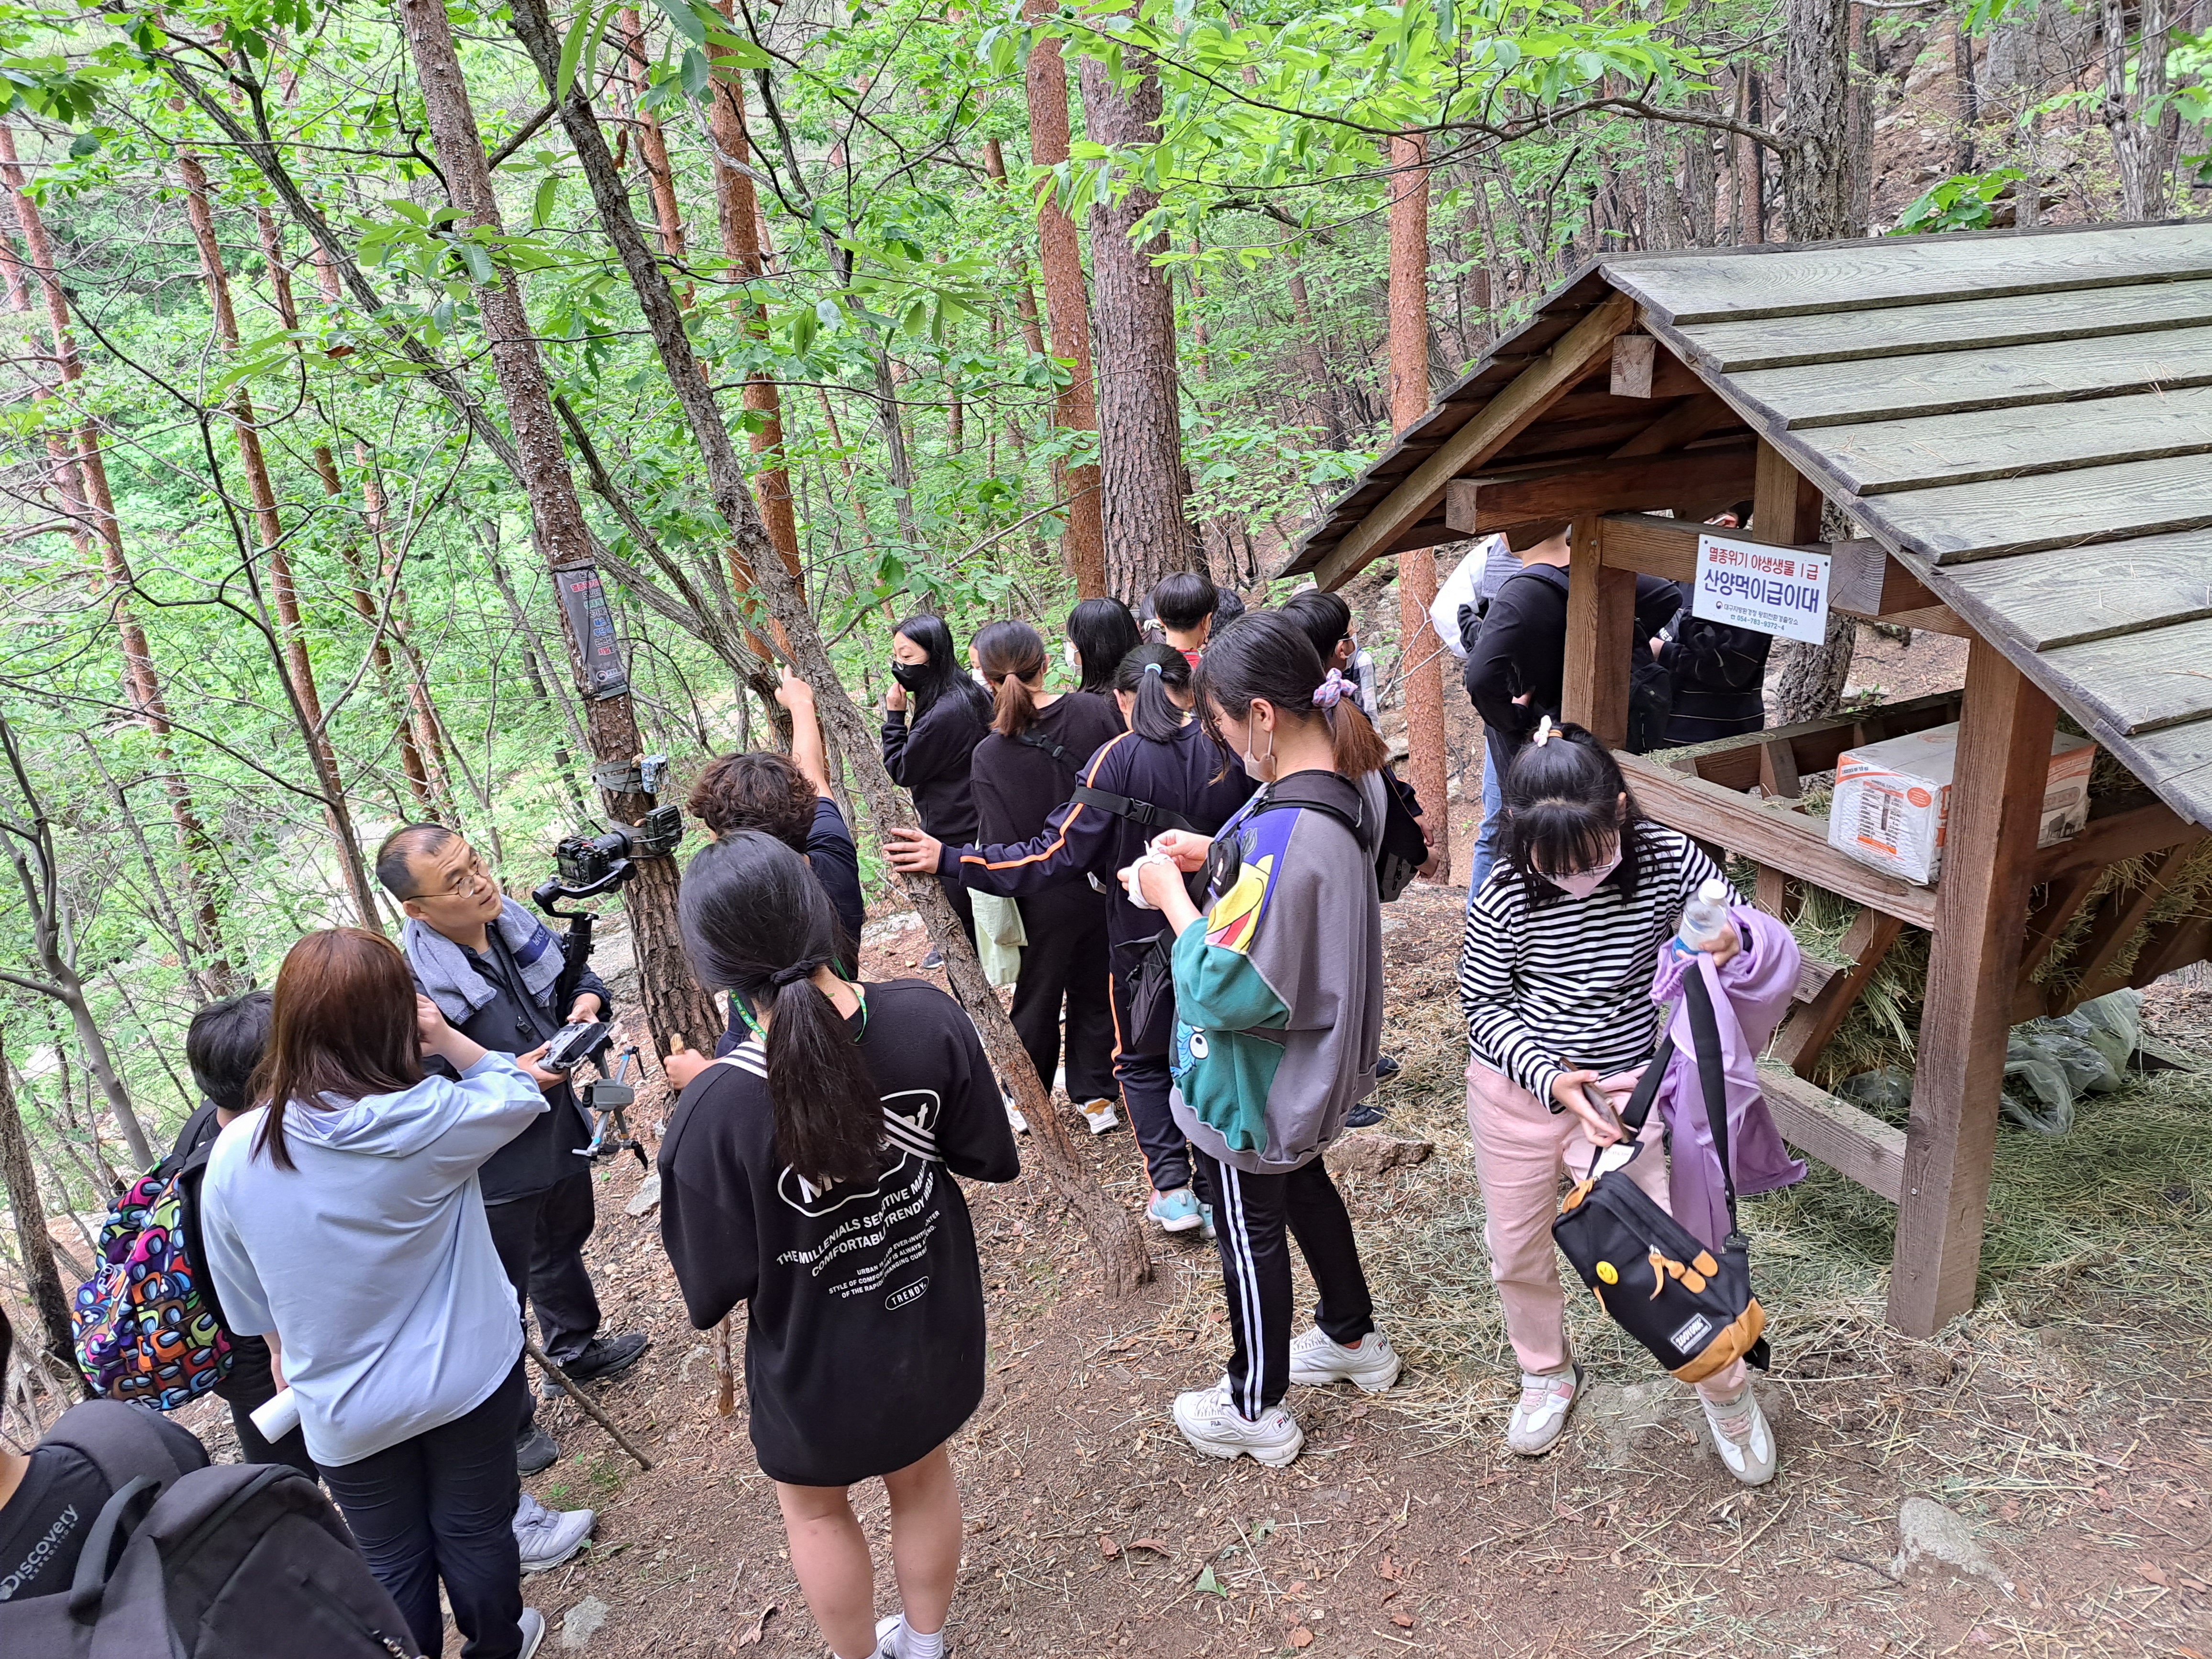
{"x":1572,"y":978}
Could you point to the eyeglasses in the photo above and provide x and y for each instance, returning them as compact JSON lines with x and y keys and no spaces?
{"x":463,"y":881}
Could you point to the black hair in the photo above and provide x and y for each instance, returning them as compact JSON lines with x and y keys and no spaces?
{"x":945,"y":675}
{"x":1149,"y":673}
{"x":1185,"y":599}
{"x":224,"y":1043}
{"x":1010,"y":654}
{"x":1566,"y":807}
{"x":757,"y":923}
{"x":7,"y":1344}
{"x":1104,"y":632}
{"x":1741,"y":514}
{"x":1228,"y":606}
{"x":1325,"y":616}
{"x":1265,"y":656}
{"x":409,"y":841}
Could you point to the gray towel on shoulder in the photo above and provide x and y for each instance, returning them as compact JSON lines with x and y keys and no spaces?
{"x":441,"y":966}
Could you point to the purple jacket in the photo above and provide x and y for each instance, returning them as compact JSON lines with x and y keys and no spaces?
{"x":1749,"y":997}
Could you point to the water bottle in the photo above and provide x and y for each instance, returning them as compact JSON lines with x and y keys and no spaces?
{"x":1704,"y":918}
{"x":277,"y":1416}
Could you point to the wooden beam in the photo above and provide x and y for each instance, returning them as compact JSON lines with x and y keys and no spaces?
{"x":1989,"y":861}
{"x":1632,"y":356}
{"x":1528,"y":396}
{"x":1865,"y":579}
{"x":1785,"y":504}
{"x":2062,"y":899}
{"x":1789,"y":841}
{"x":1687,"y":479}
{"x":1848,"y":1140}
{"x":1601,"y":623}
{"x":2122,"y":917}
{"x":1807,"y":1030}
{"x":2118,"y":836}
{"x":1738,"y":762}
{"x":1703,"y":412}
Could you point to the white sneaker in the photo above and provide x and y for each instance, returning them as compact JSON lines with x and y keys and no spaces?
{"x":1214,"y":1427}
{"x":893,"y":1640}
{"x":1539,"y":1417}
{"x":1742,"y":1437}
{"x":1014,"y":1116}
{"x":533,"y":1632}
{"x":549,"y":1537}
{"x":1100,"y":1115}
{"x":1318,"y":1359}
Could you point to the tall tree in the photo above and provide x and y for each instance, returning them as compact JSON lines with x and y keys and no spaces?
{"x":1143,"y":484}
{"x":1421,"y":656}
{"x":1067,"y":307}
{"x":676,"y":1008}
{"x":33,"y":1243}
{"x":2143,"y":147}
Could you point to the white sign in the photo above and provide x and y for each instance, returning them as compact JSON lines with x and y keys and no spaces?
{"x":1769,"y":590}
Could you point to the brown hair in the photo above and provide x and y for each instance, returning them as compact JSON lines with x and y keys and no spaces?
{"x":757,"y":790}
{"x":1010,"y":653}
{"x":343,"y":1024}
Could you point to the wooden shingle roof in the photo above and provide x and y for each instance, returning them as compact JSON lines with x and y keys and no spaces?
{"x":2023,"y":419}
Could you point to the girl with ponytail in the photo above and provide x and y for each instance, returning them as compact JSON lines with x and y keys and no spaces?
{"x":1029,"y":764}
{"x":807,"y":1173}
{"x":929,"y":757}
{"x":1163,"y":773}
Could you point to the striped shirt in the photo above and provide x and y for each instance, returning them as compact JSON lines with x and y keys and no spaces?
{"x":1571,"y":979}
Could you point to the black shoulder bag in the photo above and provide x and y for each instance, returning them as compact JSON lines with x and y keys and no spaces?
{"x":1650,"y":1273}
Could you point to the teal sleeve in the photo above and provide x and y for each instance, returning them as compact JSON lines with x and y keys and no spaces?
{"x":1219,"y":989}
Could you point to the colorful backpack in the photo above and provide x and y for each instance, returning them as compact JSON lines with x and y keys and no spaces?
{"x":143,"y":1331}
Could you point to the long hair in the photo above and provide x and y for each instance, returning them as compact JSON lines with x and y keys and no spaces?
{"x":1264,"y":656}
{"x":1325,"y":616}
{"x":1149,"y":673}
{"x":1566,"y":807}
{"x":1104,"y":632}
{"x":1010,"y":654}
{"x":944,"y":677}
{"x":756,"y":922}
{"x":342,"y":1022}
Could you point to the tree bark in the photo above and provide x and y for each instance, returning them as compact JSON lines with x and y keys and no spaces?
{"x":1816,"y":161}
{"x":1121,"y":1246}
{"x":653,"y":145}
{"x":139,"y":673}
{"x":2142,"y":148}
{"x":676,"y":1008}
{"x":1420,"y":655}
{"x":1321,"y":385}
{"x":297,"y":666}
{"x":33,"y":1243}
{"x":1067,"y":307}
{"x":1141,"y":477}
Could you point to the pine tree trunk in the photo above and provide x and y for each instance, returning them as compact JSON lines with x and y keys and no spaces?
{"x":32,"y":1243}
{"x":1067,"y":307}
{"x":195,"y":851}
{"x":1141,"y":476}
{"x":1816,"y":161}
{"x":677,"y":1010}
{"x":296,"y":665}
{"x":1420,"y":654}
{"x":1120,"y":1247}
{"x":653,"y":145}
{"x":1328,"y":409}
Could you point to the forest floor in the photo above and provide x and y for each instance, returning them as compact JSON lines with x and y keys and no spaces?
{"x":2063,"y":1421}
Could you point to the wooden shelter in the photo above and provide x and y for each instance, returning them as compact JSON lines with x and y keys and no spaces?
{"x":2019,"y":425}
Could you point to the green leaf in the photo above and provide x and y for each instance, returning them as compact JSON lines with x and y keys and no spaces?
{"x":572,"y":53}
{"x":479,"y":262}
{"x":541,"y":207}
{"x":84,"y":144}
{"x":1208,"y":1584}
{"x":687,"y":20}
{"x":696,"y":80}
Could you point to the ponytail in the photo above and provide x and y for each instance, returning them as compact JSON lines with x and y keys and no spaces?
{"x":1150,"y":673}
{"x":1265,"y":657}
{"x":757,"y":924}
{"x":1010,"y":654}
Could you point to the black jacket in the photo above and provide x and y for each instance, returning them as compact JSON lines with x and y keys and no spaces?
{"x":1720,"y":678}
{"x":1522,"y":647}
{"x":930,"y":762}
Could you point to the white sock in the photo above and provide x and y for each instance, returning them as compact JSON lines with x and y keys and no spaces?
{"x":913,"y":1645}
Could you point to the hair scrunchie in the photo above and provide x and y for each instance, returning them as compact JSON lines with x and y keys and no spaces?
{"x":1544,"y":731}
{"x":1153,"y":668}
{"x":797,"y":971}
{"x":1331,"y":690}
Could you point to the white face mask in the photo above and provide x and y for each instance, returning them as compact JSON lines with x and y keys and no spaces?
{"x":1257,"y":766}
{"x":978,"y":676}
{"x":1582,"y":883}
{"x":1070,"y":656}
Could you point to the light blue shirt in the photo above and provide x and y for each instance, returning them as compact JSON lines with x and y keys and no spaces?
{"x":372,"y":1261}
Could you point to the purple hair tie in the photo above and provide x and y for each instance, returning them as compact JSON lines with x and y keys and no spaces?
{"x":1331,"y":690}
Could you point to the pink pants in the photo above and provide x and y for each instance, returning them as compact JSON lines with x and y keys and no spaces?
{"x":1521,"y":1152}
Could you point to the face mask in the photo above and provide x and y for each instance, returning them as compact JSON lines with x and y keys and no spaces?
{"x":1070,"y":656}
{"x":912,"y":674}
{"x":979,"y":678}
{"x":1257,"y":766}
{"x":1582,"y":885}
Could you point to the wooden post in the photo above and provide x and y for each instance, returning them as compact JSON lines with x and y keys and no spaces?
{"x":1981,"y":896}
{"x":1785,"y":505}
{"x":1601,"y":618}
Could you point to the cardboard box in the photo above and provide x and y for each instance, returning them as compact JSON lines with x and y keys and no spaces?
{"x":1893,"y":799}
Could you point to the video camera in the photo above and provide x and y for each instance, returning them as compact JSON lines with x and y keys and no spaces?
{"x":587,"y":866}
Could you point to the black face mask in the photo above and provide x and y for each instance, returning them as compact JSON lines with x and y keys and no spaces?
{"x":912,"y":674}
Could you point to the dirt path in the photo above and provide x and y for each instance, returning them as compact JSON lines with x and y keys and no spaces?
{"x":2064,"y":1421}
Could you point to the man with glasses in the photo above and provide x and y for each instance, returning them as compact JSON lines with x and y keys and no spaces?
{"x":491,"y":966}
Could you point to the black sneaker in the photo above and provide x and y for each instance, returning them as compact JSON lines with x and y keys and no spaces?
{"x":603,"y":1357}
{"x":934,"y":959}
{"x":536,"y":1452}
{"x":1364,"y":1116}
{"x":1387,"y":1068}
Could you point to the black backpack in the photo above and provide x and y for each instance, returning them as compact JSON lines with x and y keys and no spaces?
{"x":1652,"y":1276}
{"x":230,"y":1561}
{"x":1650,"y":683}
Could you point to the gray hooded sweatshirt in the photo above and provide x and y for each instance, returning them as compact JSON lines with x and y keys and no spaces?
{"x":372,"y":1261}
{"x":1278,"y":991}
